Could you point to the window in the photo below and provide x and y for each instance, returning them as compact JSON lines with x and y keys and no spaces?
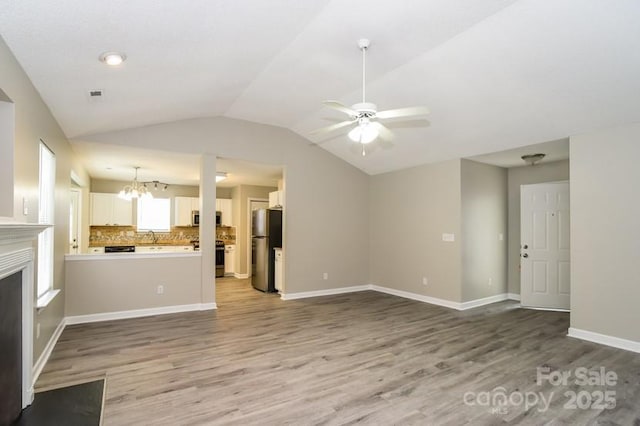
{"x":45,"y":215}
{"x":154,"y":214}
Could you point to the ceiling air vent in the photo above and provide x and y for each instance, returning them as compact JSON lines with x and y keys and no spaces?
{"x":96,"y":95}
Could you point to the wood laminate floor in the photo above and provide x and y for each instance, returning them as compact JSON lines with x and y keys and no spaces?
{"x":366,"y":358}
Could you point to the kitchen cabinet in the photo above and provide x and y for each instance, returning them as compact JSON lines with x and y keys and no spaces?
{"x":109,"y":209}
{"x":183,"y":206}
{"x":225,"y":207}
{"x":276,"y":199}
{"x":278,"y":269}
{"x":229,"y":259}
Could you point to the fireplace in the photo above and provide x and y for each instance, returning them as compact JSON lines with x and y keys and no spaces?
{"x":17,"y":282}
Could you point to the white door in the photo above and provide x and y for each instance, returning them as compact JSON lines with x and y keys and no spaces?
{"x":74,"y":221}
{"x":544,"y":246}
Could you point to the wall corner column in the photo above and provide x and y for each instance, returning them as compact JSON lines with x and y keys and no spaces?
{"x":208,"y":226}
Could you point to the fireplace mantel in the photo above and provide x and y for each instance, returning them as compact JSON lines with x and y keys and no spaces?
{"x":15,"y":232}
{"x":16,"y":254}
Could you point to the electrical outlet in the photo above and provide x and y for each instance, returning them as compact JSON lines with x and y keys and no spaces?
{"x":490,"y":281}
{"x":37,"y":330}
{"x":425,"y":281}
{"x":325,"y":276}
{"x":25,"y":206}
{"x":501,"y":237}
{"x":160,"y":289}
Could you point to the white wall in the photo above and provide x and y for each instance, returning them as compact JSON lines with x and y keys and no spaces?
{"x":327,"y":216}
{"x":409,"y":211}
{"x":484,"y":219}
{"x":516,"y":176}
{"x":605,"y":232}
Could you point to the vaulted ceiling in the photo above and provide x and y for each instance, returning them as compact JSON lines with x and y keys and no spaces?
{"x":496,"y":74}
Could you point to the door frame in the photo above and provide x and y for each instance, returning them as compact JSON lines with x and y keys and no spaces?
{"x":77,"y":213}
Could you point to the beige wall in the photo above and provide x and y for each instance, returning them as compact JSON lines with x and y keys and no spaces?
{"x":138,"y":279}
{"x":325,"y":230}
{"x":240,"y":196}
{"x":409,"y":211}
{"x":484,"y":220}
{"x":540,"y":173}
{"x":33,"y":122}
{"x":7,"y":125}
{"x":605,"y":232}
{"x":224,"y":193}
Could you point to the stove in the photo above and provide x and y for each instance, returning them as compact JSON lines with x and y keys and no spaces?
{"x":219,"y":258}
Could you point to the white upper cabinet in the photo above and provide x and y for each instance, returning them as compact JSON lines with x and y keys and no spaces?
{"x":225,"y":207}
{"x":184,"y":206}
{"x":109,"y":209}
{"x":276,"y":199}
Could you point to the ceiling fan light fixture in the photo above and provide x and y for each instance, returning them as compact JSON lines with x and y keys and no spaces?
{"x":364,"y":133}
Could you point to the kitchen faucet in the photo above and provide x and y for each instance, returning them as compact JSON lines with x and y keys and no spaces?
{"x":154,"y":239}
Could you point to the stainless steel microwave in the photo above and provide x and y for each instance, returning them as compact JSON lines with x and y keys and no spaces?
{"x":195,"y":218}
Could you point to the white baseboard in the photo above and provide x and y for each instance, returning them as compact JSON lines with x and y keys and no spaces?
{"x":603,"y":339}
{"x":138,"y":313}
{"x":484,"y":301}
{"x":415,"y":296}
{"x":513,"y":296}
{"x":459,"y":306}
{"x":328,"y":292}
{"x":401,"y":293}
{"x":241,"y":276}
{"x":46,"y":353}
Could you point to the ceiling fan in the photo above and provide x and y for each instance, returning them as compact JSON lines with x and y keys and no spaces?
{"x":365,"y":115}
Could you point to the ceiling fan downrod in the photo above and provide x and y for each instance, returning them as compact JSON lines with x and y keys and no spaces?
{"x":363,"y":44}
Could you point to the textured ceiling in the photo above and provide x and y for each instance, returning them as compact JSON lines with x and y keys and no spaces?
{"x":496,"y":74}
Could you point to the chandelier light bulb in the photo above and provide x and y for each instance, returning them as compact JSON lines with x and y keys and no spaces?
{"x":363,"y":133}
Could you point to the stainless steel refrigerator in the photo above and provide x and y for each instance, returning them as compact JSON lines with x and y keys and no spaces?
{"x":266,"y":234}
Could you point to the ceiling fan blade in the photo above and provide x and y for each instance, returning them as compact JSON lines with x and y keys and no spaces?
{"x":403,"y":112}
{"x":332,"y":128}
{"x":383,"y":131}
{"x":340,"y":107}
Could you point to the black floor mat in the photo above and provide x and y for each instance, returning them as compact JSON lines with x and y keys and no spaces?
{"x":78,"y":405}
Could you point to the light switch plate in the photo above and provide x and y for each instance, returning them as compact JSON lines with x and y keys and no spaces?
{"x":448,"y":237}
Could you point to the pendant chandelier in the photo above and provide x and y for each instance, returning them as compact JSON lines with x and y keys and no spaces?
{"x":140,"y":189}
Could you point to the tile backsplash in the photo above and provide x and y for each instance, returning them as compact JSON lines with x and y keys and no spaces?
{"x":127,"y":235}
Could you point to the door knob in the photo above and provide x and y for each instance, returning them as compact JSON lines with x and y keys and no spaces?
{"x":525,"y":246}
{"x":525,"y":255}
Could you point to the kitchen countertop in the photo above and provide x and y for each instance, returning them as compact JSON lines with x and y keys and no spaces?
{"x":114,"y":256}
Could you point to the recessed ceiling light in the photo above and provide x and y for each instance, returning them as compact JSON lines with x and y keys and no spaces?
{"x":113,"y":58}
